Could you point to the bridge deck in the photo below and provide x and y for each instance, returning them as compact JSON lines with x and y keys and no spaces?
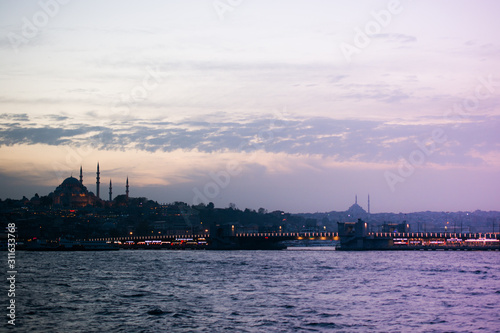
{"x":306,"y":235}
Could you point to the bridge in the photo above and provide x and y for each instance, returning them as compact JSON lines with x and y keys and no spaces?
{"x":350,"y":240}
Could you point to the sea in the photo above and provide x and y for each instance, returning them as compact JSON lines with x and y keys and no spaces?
{"x":294,"y":290}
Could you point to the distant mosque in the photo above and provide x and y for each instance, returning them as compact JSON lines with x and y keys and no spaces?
{"x":357,"y":211}
{"x":72,"y":193}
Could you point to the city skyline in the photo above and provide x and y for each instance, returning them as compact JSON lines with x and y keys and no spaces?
{"x":354,"y":208}
{"x":287,"y":106}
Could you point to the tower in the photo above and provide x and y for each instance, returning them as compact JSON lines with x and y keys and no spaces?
{"x":110,"y":191}
{"x":368,"y":204}
{"x":81,"y":175}
{"x":98,"y":178}
{"x":126,"y":187}
{"x":356,"y":199}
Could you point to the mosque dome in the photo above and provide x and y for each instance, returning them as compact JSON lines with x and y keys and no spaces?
{"x":72,"y":193}
{"x":356,"y":210}
{"x":73,"y":185}
{"x":71,"y":182}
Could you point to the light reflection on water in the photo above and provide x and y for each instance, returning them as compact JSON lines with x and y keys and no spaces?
{"x":305,"y":290}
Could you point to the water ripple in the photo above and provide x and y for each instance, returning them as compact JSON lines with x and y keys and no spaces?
{"x":258,"y":291}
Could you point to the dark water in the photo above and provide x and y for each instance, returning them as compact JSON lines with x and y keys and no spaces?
{"x":258,"y":291}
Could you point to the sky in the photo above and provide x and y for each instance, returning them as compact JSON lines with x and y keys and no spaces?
{"x":286,"y":105}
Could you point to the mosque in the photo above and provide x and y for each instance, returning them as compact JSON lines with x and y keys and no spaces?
{"x":72,"y":193}
{"x":357,"y":211}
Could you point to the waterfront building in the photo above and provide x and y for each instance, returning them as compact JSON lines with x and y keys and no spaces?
{"x":72,"y":193}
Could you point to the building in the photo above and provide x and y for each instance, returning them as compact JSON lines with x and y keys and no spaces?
{"x":73,"y":194}
{"x":356,"y":211}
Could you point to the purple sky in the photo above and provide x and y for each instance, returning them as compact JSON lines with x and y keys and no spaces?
{"x":294,"y":105}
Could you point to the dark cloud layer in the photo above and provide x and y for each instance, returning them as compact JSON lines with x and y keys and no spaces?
{"x":353,"y":140}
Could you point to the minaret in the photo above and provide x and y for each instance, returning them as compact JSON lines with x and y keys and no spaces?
{"x":98,"y":178}
{"x":126,"y":191}
{"x":368,"y":204}
{"x":81,"y":175}
{"x":110,"y":191}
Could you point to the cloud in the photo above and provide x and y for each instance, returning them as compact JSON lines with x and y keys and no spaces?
{"x":371,"y":141}
{"x":396,"y":38}
{"x":381,"y":95}
{"x":56,"y":117}
{"x":336,"y":78}
{"x":14,"y":117}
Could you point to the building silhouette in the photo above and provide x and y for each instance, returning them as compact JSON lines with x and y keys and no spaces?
{"x":97,"y":183}
{"x":126,"y":188}
{"x":73,"y":194}
{"x":110,"y":191}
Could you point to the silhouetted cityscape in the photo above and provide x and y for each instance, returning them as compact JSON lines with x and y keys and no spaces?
{"x":71,"y":211}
